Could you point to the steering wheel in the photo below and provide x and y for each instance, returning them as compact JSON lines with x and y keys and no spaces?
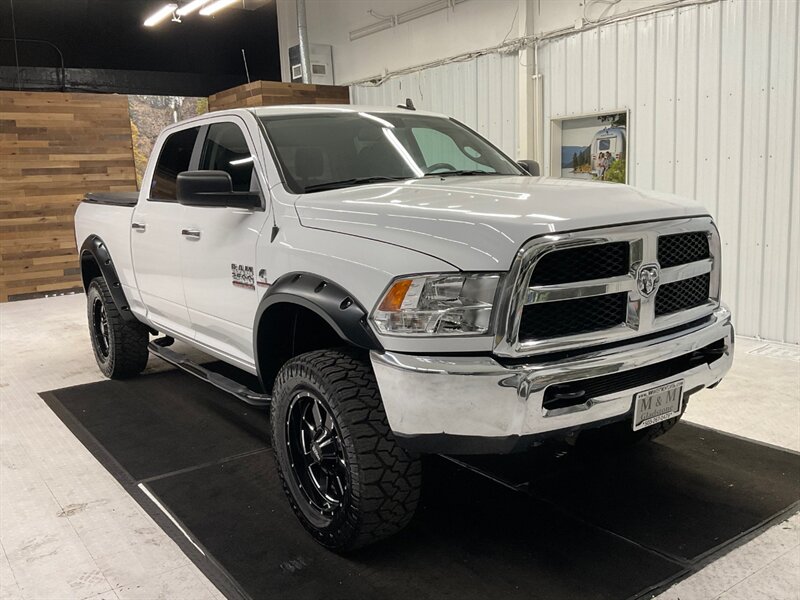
{"x":439,"y":166}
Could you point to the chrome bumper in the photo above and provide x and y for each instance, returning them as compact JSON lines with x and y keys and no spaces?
{"x":475,"y":404}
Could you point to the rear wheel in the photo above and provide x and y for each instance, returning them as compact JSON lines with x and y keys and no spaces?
{"x":120,"y":346}
{"x":347,"y":480}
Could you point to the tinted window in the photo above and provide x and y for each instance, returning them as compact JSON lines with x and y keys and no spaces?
{"x":441,"y":153}
{"x":175,"y":156}
{"x":323,"y":151}
{"x":603,"y":144}
{"x":225,"y":149}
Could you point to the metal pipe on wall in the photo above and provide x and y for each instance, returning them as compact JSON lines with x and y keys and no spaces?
{"x":302,"y":32}
{"x":62,"y":74}
{"x":538,"y":119}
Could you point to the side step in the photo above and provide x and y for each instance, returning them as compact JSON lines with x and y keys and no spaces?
{"x":234,"y":388}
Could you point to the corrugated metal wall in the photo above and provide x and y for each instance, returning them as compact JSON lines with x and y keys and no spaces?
{"x":712,"y":91}
{"x":481,"y":93}
{"x":713,"y":94}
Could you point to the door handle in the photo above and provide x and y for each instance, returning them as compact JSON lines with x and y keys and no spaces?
{"x":140,"y":227}
{"x":191,"y":233}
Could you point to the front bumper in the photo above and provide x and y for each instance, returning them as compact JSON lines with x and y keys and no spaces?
{"x":476,"y":405}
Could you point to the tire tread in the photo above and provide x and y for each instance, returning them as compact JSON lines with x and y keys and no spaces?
{"x":127,"y":339}
{"x":385,"y":485}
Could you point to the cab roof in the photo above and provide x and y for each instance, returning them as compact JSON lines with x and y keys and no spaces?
{"x":309,"y":109}
{"x":302,"y":109}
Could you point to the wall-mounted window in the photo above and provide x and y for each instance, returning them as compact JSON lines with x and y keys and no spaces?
{"x":593,"y":147}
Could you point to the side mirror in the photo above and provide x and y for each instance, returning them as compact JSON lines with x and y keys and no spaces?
{"x":212,"y":188}
{"x":531,"y":166}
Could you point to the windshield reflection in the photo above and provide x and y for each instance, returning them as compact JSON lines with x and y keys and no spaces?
{"x":323,"y":151}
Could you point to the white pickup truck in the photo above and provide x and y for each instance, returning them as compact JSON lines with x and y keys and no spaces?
{"x":399,"y":286}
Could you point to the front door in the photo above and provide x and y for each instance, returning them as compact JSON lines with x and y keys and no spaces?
{"x":156,"y":236}
{"x":218,"y":249}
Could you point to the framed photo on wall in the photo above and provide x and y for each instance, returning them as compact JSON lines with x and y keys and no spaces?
{"x":591,"y":147}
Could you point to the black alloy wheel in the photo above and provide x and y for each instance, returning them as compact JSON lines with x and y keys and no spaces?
{"x":317,"y":460}
{"x":100,"y":326}
{"x":120,"y":345}
{"x":347,"y":480}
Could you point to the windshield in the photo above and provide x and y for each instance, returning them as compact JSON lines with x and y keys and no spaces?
{"x":328,"y":151}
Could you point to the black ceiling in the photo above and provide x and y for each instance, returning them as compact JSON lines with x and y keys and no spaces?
{"x":108,"y":34}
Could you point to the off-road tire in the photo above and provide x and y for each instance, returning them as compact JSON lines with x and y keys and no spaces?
{"x":122,"y":353}
{"x":383,"y":480}
{"x":621,"y":434}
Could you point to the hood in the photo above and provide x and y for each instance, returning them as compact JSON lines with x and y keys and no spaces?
{"x":479,"y":223}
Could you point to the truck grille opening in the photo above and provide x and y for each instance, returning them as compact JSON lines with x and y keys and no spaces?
{"x":592,"y":287}
{"x":574,"y":393}
{"x":582,"y":264}
{"x":682,"y":248}
{"x":682,"y":295}
{"x":570,"y":317}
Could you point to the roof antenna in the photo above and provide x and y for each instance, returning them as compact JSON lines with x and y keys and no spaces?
{"x":409,"y":105}
{"x":246,"y":70}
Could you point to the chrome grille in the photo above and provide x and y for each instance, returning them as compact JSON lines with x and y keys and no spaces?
{"x":567,"y":305}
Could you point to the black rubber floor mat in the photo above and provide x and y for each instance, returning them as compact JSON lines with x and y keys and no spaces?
{"x":684,"y":495}
{"x":553,"y":524}
{"x":471,"y":539}
{"x":165,"y":422}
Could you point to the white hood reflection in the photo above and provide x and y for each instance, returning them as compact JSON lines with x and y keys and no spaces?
{"x":479,"y":223}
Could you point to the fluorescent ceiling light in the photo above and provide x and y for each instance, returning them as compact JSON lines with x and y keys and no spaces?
{"x":370,"y":29}
{"x":216,"y":6}
{"x":191,"y":7}
{"x":404,"y":17}
{"x":161,"y":14}
{"x":241,"y":161}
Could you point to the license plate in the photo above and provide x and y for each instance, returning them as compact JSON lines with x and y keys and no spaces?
{"x":657,"y":404}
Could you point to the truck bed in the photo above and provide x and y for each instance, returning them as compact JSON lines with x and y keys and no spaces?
{"x":108,"y":216}
{"x":112,"y":198}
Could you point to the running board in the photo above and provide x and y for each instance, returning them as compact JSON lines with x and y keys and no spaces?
{"x":234,"y":388}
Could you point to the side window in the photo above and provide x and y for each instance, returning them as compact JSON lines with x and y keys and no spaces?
{"x":174,"y":158}
{"x":225,"y":149}
{"x":440,"y":148}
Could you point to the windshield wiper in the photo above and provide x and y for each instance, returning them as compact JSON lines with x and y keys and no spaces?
{"x":332,"y":185}
{"x":460,"y":172}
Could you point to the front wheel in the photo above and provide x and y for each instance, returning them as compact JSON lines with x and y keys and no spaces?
{"x":347,"y":480}
{"x":120,"y":346}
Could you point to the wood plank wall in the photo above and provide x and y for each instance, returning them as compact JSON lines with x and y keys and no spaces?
{"x":275,"y":93}
{"x":54,"y":148}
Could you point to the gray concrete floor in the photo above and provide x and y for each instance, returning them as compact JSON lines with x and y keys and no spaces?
{"x":69,"y":530}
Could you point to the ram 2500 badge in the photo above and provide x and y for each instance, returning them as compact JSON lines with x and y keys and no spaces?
{"x":400,"y":287}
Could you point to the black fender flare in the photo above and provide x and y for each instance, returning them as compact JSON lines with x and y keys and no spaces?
{"x":97,"y":248}
{"x":334,"y":304}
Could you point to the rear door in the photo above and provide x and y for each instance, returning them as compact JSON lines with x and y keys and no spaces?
{"x":218,"y":250}
{"x":156,"y":235}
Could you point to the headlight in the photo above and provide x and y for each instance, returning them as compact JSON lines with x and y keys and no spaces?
{"x":442,"y":304}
